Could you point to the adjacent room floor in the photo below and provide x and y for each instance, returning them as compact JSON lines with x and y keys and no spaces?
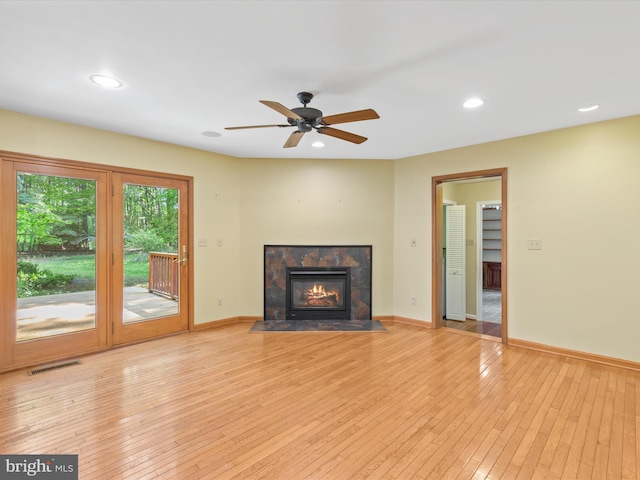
{"x":491,"y":315}
{"x":491,"y":305}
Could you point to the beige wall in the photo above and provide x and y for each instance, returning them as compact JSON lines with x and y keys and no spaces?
{"x":574,"y":189}
{"x":316,"y":202}
{"x":247,"y":203}
{"x":469,"y":194}
{"x":216,"y":192}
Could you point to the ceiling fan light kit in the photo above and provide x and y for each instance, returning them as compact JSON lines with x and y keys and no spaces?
{"x":306,"y":119}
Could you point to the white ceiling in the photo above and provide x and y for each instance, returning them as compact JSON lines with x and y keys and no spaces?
{"x":195,"y":66}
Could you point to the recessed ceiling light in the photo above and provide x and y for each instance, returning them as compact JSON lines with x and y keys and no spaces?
{"x":473,"y":103}
{"x":211,"y":134}
{"x":317,"y":144}
{"x":106,"y":82}
{"x":588,"y":109}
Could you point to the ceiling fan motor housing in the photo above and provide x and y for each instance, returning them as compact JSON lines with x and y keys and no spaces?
{"x":311,"y":118}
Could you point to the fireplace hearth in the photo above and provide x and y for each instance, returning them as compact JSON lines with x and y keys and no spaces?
{"x":317,"y":282}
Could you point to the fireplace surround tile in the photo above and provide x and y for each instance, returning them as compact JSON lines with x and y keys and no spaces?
{"x":278,"y":257}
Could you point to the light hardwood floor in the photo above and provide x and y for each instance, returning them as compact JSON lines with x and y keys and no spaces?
{"x":409,"y":404}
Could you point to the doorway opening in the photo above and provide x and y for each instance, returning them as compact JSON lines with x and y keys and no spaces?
{"x":475,"y":299}
{"x":489,"y":261}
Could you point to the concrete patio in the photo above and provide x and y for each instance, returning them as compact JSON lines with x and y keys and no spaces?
{"x":48,"y":315}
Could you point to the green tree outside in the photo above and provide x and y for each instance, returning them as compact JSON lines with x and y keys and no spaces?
{"x":56,"y":219}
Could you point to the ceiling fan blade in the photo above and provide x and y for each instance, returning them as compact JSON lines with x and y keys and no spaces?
{"x":342,"y":135}
{"x":281,"y":109}
{"x":293,"y":139}
{"x":357,"y":116}
{"x":256,"y":126}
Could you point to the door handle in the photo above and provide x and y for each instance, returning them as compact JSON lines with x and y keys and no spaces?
{"x":184,"y":255}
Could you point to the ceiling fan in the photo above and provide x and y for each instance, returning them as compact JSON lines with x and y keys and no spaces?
{"x":306,"y":119}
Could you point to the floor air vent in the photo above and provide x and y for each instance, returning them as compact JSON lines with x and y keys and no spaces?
{"x":54,"y":366}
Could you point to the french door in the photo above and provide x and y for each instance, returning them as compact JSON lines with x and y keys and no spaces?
{"x":150,"y":257}
{"x":90,"y":258}
{"x":55,"y":254}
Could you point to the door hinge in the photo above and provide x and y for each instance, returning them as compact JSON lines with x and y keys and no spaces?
{"x":113,"y":190}
{"x":113,"y":327}
{"x":113,"y":260}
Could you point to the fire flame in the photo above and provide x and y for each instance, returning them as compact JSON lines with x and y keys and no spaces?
{"x":318,"y":291}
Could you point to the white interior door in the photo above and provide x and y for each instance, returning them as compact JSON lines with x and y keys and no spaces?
{"x":455,"y":263}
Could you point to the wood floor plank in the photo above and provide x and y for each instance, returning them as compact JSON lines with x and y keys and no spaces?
{"x":588,"y":457}
{"x":563,"y":428}
{"x":616,"y":427}
{"x":499,"y":431}
{"x":630,"y":468}
{"x":480,"y":413}
{"x":581,"y":414}
{"x":409,"y":403}
{"x":510,"y":461}
{"x":637,"y":435}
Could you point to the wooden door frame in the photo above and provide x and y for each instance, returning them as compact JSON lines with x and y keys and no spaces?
{"x":436,"y":241}
{"x":125,"y":333}
{"x":6,"y":363}
{"x":53,"y":347}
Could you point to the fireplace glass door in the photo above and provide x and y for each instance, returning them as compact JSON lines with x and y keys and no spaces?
{"x":314,"y":294}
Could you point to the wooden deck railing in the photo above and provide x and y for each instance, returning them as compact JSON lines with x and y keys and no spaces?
{"x":163,"y":274}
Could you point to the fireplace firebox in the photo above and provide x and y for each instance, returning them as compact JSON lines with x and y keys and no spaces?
{"x":316,"y":293}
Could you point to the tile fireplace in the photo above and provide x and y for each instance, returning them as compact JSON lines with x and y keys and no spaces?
{"x":317,"y":282}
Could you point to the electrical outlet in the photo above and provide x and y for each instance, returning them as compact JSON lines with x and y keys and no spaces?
{"x":413,"y":300}
{"x":219,"y":301}
{"x":534,"y":244}
{"x":413,"y":242}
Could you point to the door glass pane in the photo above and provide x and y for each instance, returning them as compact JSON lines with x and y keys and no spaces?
{"x":151,"y":261}
{"x":56,"y":261}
